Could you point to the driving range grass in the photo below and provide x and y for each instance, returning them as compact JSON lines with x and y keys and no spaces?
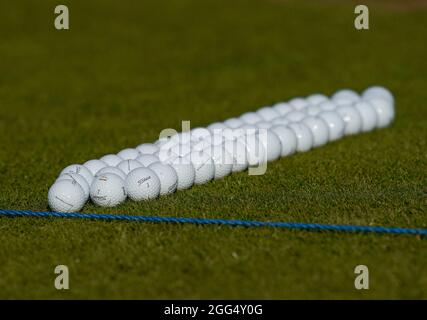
{"x":125,"y":70}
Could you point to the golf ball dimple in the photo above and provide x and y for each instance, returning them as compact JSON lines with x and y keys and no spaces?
{"x":81,"y":170}
{"x":147,"y":148}
{"x":77,"y":178}
{"x":368,"y":114}
{"x":352,"y":119}
{"x":95,"y":165}
{"x":250,"y":118}
{"x":111,"y":159}
{"x":335,"y":124}
{"x":66,"y":196}
{"x":167,"y":176}
{"x":128,"y":165}
{"x":147,"y":159}
{"x":185,"y":172}
{"x":304,"y":136}
{"x":203,"y":166}
{"x":378,"y":92}
{"x":114,"y":170}
{"x":287,"y":138}
{"x":108,"y":190}
{"x":319,"y":129}
{"x":268,"y":113}
{"x":385,"y":111}
{"x":142,"y":184}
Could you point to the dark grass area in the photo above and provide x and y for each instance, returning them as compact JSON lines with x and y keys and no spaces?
{"x":124,"y":72}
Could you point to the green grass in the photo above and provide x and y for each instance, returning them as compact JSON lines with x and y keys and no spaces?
{"x":124,"y":72}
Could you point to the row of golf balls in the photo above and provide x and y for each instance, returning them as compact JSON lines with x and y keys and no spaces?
{"x":202,"y":154}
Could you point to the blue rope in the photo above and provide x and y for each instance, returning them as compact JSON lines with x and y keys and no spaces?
{"x":203,"y":221}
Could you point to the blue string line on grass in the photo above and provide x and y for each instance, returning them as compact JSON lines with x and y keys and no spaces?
{"x":203,"y":221}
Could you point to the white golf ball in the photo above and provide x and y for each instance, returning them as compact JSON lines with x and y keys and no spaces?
{"x":147,"y":159}
{"x":345,"y":96}
{"x":167,"y":176}
{"x":264,"y":124}
{"x":304,"y":136}
{"x":185,"y":172}
{"x":66,"y":196}
{"x":287,"y":138}
{"x":199,"y":134}
{"x":316,"y":98}
{"x":95,"y":165}
{"x":114,"y":170}
{"x":216,"y":126}
{"x":129,"y":154}
{"x":181,"y":149}
{"x":268,"y":113}
{"x":295,"y":116}
{"x":147,"y":148}
{"x":249,"y":129}
{"x":81,"y":170}
{"x":335,"y":124}
{"x":142,"y":184}
{"x":378,"y":92}
{"x":250,"y":118}
{"x":281,"y":121}
{"x":227,"y":134}
{"x":201,"y":145}
{"x":223,"y":161}
{"x":238,"y":151}
{"x":79,"y":179}
{"x":352,"y":119}
{"x":128,"y":165}
{"x":368,"y":114}
{"x":298,"y":103}
{"x":283,"y":108}
{"x":271,"y":144}
{"x":181,"y":138}
{"x":165,"y":140}
{"x":313,"y":110}
{"x":203,"y":165}
{"x":328,"y":105}
{"x":255,"y":151}
{"x":384,"y":109}
{"x":233,"y":123}
{"x":108,"y":190}
{"x":111,"y":159}
{"x":165,"y":151}
{"x":319,"y":129}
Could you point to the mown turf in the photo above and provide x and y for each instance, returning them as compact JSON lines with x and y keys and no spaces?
{"x":128,"y":69}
